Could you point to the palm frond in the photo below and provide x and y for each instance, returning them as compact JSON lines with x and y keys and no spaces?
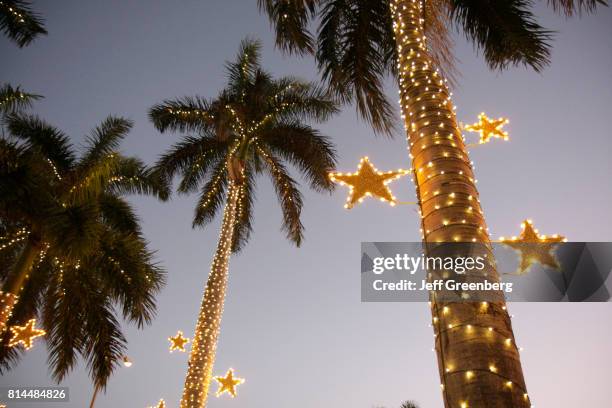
{"x":305,"y":147}
{"x":353,"y":57}
{"x":212,"y":195}
{"x":301,"y":100}
{"x":242,"y":70}
{"x":63,"y":320}
{"x":132,"y":176}
{"x":183,"y":114}
{"x":104,"y":140}
{"x":573,"y":7}
{"x":15,"y":99}
{"x":243,"y":227}
{"x":73,"y":231}
{"x":118,"y":214}
{"x":105,"y":345}
{"x":51,"y":142}
{"x":128,"y":273}
{"x":288,"y":194}
{"x":290,"y":20}
{"x":192,"y":158}
{"x":437,"y":27}
{"x":19,"y":22}
{"x":505,"y":31}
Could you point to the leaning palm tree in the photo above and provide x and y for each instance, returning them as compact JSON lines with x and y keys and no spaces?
{"x":357,"y":44}
{"x":19,"y":23}
{"x":256,"y":124}
{"x":71,"y":247}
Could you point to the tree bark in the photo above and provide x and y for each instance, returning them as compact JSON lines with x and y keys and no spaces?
{"x":204,"y":344}
{"x":479,"y":363}
{"x":15,"y":281}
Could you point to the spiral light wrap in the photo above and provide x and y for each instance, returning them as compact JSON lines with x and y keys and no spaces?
{"x":204,"y":345}
{"x":478,"y":360}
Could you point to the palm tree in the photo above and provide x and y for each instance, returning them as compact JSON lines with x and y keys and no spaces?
{"x":255,"y":125}
{"x":19,"y":23}
{"x":71,"y":247}
{"x":357,"y":44}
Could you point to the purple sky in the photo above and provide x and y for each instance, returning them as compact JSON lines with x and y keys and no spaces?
{"x":294,"y":325}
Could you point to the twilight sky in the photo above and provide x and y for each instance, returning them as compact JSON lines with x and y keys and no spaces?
{"x":294,"y":325}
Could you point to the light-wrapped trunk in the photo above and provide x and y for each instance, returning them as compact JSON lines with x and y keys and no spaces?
{"x":478,"y":359}
{"x":204,"y":345}
{"x":9,"y":296}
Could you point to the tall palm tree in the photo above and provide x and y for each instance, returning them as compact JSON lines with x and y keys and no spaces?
{"x":71,"y":247}
{"x":255,"y":125}
{"x":19,"y":23}
{"x":357,"y":44}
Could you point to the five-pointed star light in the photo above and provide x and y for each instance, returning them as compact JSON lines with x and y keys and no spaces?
{"x":489,"y":128}
{"x":534,"y":247}
{"x":178,"y":342}
{"x":228,"y":383}
{"x":160,"y":404}
{"x":367,"y":181}
{"x":25,"y":334}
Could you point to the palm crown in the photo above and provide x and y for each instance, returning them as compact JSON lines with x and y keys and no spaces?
{"x":88,"y":254}
{"x":355,"y":45}
{"x":256,"y":124}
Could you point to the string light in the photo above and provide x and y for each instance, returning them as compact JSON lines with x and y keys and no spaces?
{"x":489,"y":128}
{"x":450,"y":211}
{"x":228,"y":383}
{"x":25,"y":335}
{"x":533,"y":247}
{"x":15,"y":14}
{"x":368,"y":181}
{"x":7,"y":304}
{"x":204,"y":343}
{"x":178,"y":342}
{"x":160,"y":404}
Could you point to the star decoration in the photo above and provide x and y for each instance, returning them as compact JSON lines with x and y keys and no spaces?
{"x":534,"y":247}
{"x":367,"y":181}
{"x":228,"y":383}
{"x":489,"y":128}
{"x":25,"y":334}
{"x":160,"y":404}
{"x":178,"y":342}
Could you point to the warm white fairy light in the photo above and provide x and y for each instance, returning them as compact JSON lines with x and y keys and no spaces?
{"x":204,"y":343}
{"x":450,"y":212}
{"x":534,"y":248}
{"x":489,"y":128}
{"x":368,"y":181}
{"x":178,"y":341}
{"x":25,"y":335}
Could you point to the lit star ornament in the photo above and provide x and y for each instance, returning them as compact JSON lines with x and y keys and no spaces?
{"x":178,"y":342}
{"x":160,"y":404}
{"x":25,"y":334}
{"x":228,"y":383}
{"x":489,"y":128}
{"x":534,"y":247}
{"x":367,"y":181}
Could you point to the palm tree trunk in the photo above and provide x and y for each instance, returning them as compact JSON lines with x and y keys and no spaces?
{"x":478,"y":360}
{"x":203,"y":348}
{"x":14,"y":283}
